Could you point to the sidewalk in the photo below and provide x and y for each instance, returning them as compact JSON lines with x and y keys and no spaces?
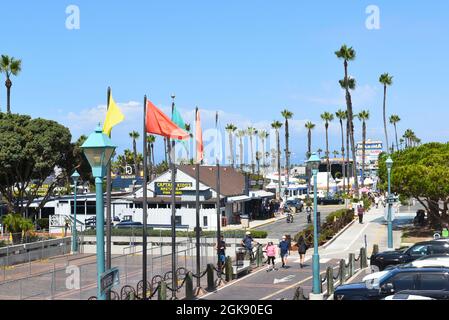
{"x":256,"y":223}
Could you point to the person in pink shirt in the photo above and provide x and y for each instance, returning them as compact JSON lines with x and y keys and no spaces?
{"x":271,"y":254}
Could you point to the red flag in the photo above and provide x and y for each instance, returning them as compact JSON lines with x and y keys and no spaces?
{"x":158,"y":123}
{"x":199,"y":138}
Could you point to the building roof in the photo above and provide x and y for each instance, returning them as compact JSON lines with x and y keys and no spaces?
{"x":232,"y":182}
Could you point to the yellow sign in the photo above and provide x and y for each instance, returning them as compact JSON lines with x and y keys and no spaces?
{"x":165,"y":188}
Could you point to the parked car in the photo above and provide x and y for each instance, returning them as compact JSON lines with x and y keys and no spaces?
{"x":388,"y":258}
{"x":329,"y":201}
{"x":295,"y":203}
{"x":427,"y":282}
{"x":407,"y":295}
{"x":128,"y":224}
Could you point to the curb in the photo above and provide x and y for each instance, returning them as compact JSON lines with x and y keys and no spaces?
{"x":324,"y":246}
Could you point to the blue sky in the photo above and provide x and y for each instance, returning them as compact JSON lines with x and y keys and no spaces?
{"x":248,"y":59}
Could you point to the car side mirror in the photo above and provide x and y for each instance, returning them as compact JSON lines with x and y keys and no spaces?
{"x":387,"y":288}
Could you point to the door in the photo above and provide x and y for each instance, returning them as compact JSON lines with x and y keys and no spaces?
{"x":400,"y":282}
{"x":433,"y":281}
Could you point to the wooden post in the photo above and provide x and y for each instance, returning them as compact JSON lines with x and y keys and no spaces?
{"x":376,"y":249}
{"x":351,"y":264}
{"x":162,"y":293}
{"x":189,"y":286}
{"x":330,"y":280}
{"x":210,"y":277}
{"x":342,"y":271}
{"x":228,"y":269}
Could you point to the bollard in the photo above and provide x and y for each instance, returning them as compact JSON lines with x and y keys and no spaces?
{"x":132,"y":296}
{"x":299,"y":294}
{"x":363,"y":259}
{"x":342,"y":271}
{"x":162,"y":293}
{"x":210,"y":277}
{"x":351,"y":264}
{"x":259,"y":256}
{"x":330,"y":280}
{"x":228,"y":269}
{"x":189,"y":286}
{"x":376,"y":249}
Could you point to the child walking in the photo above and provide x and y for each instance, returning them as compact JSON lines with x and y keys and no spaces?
{"x":271,"y":254}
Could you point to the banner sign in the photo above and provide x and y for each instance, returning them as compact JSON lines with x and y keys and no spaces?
{"x":109,"y":279}
{"x":164,"y":188}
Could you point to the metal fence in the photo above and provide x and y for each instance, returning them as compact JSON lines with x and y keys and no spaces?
{"x":74,"y":277}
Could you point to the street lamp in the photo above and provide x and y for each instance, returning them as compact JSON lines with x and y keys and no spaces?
{"x":314,"y":164}
{"x":98,"y":150}
{"x":389,"y":164}
{"x":75,"y":177}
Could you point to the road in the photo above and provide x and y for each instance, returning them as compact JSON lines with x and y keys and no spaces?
{"x":279,"y":228}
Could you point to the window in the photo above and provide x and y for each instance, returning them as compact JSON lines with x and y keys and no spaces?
{"x":152,"y":206}
{"x":178,"y":220}
{"x":433,"y":281}
{"x":404,"y":281}
{"x":205,"y":221}
{"x":208,"y":206}
{"x":131,"y":205}
{"x":440,"y":249}
{"x":420,"y":250}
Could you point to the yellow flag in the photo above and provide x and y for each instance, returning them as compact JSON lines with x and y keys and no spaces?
{"x":113,"y":117}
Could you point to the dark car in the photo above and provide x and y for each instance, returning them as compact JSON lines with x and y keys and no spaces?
{"x":128,"y":224}
{"x":390,"y":258}
{"x":296,"y":203}
{"x":330,"y":201}
{"x":427,"y":282}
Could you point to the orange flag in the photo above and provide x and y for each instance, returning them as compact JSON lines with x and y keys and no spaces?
{"x":158,"y":123}
{"x":199,"y":138}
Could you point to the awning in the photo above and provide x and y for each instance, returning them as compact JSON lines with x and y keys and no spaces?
{"x":239,"y":199}
{"x":258,"y":194}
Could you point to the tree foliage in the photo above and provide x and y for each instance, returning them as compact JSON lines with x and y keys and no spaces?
{"x":422,"y":173}
{"x":31,"y":150}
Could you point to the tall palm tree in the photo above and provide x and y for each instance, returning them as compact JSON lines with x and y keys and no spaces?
{"x":309,"y":126}
{"x":327,"y":117}
{"x":394,"y":119}
{"x":134,"y":136}
{"x":348,"y":54}
{"x":241,"y":134}
{"x":230,"y":128}
{"x":363,"y":116}
{"x":276,"y":125}
{"x":263,"y":135}
{"x":287,"y":115}
{"x":251,"y":132}
{"x":401,"y":142}
{"x":341,"y":115}
{"x":319,"y":152}
{"x":10,"y":67}
{"x":387,"y":81}
{"x":150,"y":145}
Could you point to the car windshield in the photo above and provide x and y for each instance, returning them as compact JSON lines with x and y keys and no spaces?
{"x":373,"y":281}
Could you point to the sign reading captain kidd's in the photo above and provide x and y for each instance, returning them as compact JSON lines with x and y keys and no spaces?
{"x":164,"y":188}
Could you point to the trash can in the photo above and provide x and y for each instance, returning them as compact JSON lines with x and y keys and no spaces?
{"x":244,"y":219}
{"x":240,"y":256}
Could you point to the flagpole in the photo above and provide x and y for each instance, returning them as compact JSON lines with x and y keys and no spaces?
{"x":108,"y":209}
{"x":197,"y":206}
{"x":218,"y":197}
{"x":144,"y":205}
{"x":173,"y":209}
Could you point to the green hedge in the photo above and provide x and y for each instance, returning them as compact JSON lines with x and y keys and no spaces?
{"x":167,"y":233}
{"x":335,"y":222}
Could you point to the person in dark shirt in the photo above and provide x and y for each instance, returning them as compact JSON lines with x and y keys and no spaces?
{"x":284,"y":247}
{"x":247,"y":243}
{"x":221,"y":250}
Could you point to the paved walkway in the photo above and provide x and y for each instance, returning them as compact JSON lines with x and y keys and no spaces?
{"x":281,"y":284}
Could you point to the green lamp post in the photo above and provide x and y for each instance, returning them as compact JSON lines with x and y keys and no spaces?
{"x":75,"y":177}
{"x":314,"y":164}
{"x":389,"y":164}
{"x":98,"y":150}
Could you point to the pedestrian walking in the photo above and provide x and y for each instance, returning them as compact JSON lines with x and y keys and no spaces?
{"x":221,"y":250}
{"x":376,"y":201}
{"x":284,"y":246}
{"x":247,"y":243}
{"x":302,"y":249}
{"x":360,"y":212}
{"x":271,"y":254}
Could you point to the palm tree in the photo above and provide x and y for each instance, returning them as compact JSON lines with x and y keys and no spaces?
{"x":341,"y":115}
{"x":394,"y":119}
{"x":135,"y":135}
{"x":263,"y":135}
{"x":276,"y":125}
{"x":327,"y":117}
{"x":348,"y":54}
{"x":309,"y":126}
{"x":251,"y":132}
{"x":387,"y":81}
{"x":241,"y":134}
{"x":9,"y":66}
{"x":150,"y":147}
{"x":401,"y":142}
{"x":319,"y":152}
{"x":287,"y":115}
{"x":230,"y":128}
{"x":363,"y":116}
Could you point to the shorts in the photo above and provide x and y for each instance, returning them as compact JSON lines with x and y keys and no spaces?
{"x":222,"y":258}
{"x":284,"y":254}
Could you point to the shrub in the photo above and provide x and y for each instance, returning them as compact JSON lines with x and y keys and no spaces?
{"x":43,"y":224}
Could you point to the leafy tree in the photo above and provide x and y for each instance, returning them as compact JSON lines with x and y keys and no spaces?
{"x":421,"y":173}
{"x":17,"y":226}
{"x":31,"y":150}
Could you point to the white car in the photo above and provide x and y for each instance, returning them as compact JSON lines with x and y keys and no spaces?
{"x":404,"y":296}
